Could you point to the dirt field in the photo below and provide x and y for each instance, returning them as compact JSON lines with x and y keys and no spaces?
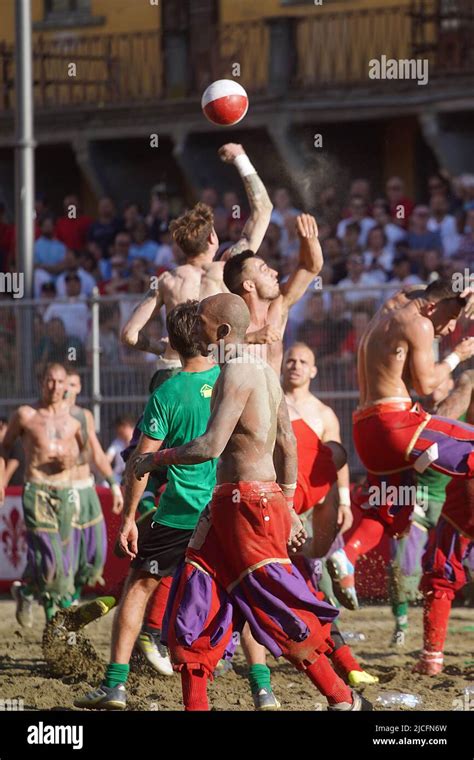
{"x":25,"y":675}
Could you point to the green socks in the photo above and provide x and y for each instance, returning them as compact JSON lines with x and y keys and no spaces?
{"x":259,"y":677}
{"x":400,"y":611}
{"x":115,"y":674}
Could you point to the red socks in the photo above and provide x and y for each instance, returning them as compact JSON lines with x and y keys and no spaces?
{"x":435,"y":620}
{"x":329,"y":684}
{"x":194,"y":686}
{"x":157,"y":605}
{"x":367,"y":536}
{"x":344,"y":660}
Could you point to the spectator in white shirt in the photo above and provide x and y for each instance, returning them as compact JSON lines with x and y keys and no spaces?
{"x":358,"y":210}
{"x":357,"y":279}
{"x":444,"y":223}
{"x":71,"y":261}
{"x":74,"y":313}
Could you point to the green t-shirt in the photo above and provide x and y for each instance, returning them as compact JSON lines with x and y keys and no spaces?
{"x":177,"y":412}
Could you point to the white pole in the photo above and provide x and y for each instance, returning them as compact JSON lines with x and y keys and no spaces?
{"x":24,"y":182}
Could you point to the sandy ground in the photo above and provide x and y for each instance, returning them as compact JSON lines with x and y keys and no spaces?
{"x":24,"y":673}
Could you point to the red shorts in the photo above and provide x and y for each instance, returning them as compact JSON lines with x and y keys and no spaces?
{"x":375,"y":500}
{"x":237,"y":569}
{"x":395,"y":436}
{"x":316,"y":469}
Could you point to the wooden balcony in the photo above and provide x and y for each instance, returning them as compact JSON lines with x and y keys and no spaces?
{"x":298,"y":55}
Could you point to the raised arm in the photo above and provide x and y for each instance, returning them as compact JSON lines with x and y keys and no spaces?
{"x":132,"y":332}
{"x":259,"y":201}
{"x":232,"y":391}
{"x":310,"y":261}
{"x":426,"y":374}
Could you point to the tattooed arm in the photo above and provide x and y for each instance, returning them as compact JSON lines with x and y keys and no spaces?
{"x":460,"y":398}
{"x":132,"y":333}
{"x":260,"y":203}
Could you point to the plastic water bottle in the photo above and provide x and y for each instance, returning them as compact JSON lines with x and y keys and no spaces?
{"x":353,"y":636}
{"x":397,"y":698}
{"x":469,"y":691}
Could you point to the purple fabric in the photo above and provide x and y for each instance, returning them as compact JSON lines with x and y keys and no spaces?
{"x":452,"y":452}
{"x":413,"y":549}
{"x":194,"y":609}
{"x":315,"y":570}
{"x":294,"y":590}
{"x":469,"y":558}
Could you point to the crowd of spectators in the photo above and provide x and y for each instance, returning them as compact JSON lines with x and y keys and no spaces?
{"x":372,"y":244}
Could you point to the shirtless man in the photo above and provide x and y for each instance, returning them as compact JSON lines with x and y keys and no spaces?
{"x":322,"y":485}
{"x":89,"y":533}
{"x":52,"y":443}
{"x":248,"y":276}
{"x":394,"y":437}
{"x":321,"y":481}
{"x":238,"y":564}
{"x":201,"y":276}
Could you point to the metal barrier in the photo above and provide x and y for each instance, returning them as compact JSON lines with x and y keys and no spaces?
{"x":115,"y":379}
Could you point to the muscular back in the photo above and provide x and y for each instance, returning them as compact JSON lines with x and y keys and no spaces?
{"x":383,"y":355}
{"x":248,"y":454}
{"x":189,"y":282}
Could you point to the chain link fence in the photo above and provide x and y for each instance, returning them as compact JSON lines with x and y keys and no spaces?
{"x":85,"y":333}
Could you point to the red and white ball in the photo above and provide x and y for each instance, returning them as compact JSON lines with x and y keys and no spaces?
{"x":225,"y":103}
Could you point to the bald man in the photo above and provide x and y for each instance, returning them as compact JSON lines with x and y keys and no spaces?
{"x":237,"y":564}
{"x":323,"y":475}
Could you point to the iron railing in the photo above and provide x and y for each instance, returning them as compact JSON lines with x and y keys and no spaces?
{"x":294,"y":53}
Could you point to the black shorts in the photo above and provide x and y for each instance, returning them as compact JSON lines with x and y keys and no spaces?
{"x":160,"y":548}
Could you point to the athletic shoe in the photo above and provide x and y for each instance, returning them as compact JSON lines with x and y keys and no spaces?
{"x":155,"y":653}
{"x":356,"y":677}
{"x":104,"y":698}
{"x":429,"y":664}
{"x":24,"y":605}
{"x":358,"y":704}
{"x":399,"y":638}
{"x":264,"y":699}
{"x":342,"y":575}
